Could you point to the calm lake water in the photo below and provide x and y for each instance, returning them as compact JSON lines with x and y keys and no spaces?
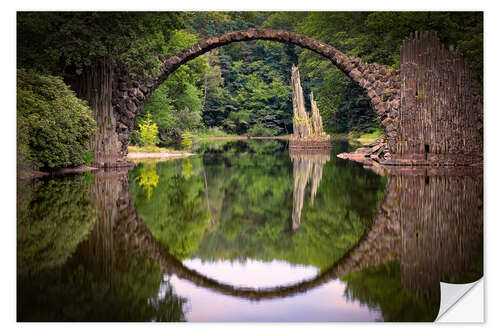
{"x":247,"y":231}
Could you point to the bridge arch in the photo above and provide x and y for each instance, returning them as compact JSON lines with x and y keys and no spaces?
{"x":378,"y":244}
{"x":380,"y":84}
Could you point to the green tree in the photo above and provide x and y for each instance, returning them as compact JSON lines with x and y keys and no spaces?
{"x":176,"y":105}
{"x":148,"y":132}
{"x":54,"y":127}
{"x":67,"y":43}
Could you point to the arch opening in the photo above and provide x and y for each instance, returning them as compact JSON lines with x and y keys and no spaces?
{"x":380,"y":84}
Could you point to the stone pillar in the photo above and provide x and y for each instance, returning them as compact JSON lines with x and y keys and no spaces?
{"x":441,"y":116}
{"x":317,"y":122}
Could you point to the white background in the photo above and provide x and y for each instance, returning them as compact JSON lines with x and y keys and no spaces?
{"x":491,"y":167}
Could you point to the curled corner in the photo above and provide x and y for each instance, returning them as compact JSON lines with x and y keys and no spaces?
{"x":451,"y":297}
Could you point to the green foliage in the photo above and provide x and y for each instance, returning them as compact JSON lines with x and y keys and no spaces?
{"x":176,"y":105}
{"x":53,"y":217}
{"x":261,"y":130}
{"x":53,"y":126}
{"x":175,"y":213}
{"x":187,"y":140}
{"x":210,"y":132}
{"x":148,"y":132}
{"x":89,"y":157}
{"x":372,"y":133}
{"x":65,"y":43}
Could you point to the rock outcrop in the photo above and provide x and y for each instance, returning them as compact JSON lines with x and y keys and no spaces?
{"x":316,"y":120}
{"x":302,"y":128}
{"x":370,"y":154}
{"x":307,"y":132}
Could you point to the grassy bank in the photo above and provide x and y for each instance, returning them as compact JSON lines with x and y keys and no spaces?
{"x":137,"y":149}
{"x":359,"y":136}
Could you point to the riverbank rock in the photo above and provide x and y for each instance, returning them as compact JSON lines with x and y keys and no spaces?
{"x":376,"y":151}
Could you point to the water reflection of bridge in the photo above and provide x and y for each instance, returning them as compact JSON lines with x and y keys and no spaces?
{"x":431,"y":221}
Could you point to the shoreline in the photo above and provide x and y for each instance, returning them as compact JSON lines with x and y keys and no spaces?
{"x":281,"y":137}
{"x":143,"y":155}
{"x":243,"y":137}
{"x":35,"y":174}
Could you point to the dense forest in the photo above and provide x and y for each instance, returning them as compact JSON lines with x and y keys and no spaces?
{"x":241,"y":88}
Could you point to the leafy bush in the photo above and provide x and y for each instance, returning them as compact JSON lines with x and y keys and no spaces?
{"x":148,"y":131}
{"x":261,"y":130}
{"x":54,"y":127}
{"x":372,"y":133}
{"x":187,"y":139}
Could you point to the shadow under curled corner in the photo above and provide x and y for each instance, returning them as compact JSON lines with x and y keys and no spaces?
{"x":462,"y":302}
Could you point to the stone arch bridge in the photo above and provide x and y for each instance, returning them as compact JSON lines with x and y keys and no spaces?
{"x":430,"y":109}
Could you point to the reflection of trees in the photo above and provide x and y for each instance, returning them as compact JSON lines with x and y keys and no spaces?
{"x":250,"y":190}
{"x":53,"y":216}
{"x":176,"y":212}
{"x":428,"y":228}
{"x":148,"y":178}
{"x":307,"y":168}
{"x":380,"y":287}
{"x":133,"y":291}
{"x":110,"y":277}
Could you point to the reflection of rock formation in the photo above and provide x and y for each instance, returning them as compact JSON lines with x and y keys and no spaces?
{"x":442,"y":228}
{"x":430,"y":224}
{"x":110,"y":239}
{"x":307,"y":168}
{"x":440,"y":215}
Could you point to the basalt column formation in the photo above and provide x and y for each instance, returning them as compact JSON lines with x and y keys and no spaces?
{"x":438,"y":120}
{"x":308,"y":132}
